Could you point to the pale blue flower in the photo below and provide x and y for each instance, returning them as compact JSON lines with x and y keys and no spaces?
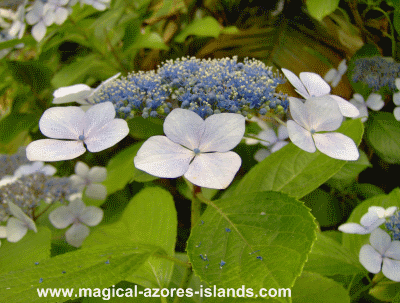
{"x":196,"y":148}
{"x":333,"y":76}
{"x":90,"y":178}
{"x":374,"y":102}
{"x":18,"y":224}
{"x":40,"y":17}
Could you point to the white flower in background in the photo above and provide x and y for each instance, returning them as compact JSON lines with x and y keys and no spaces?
{"x":40,"y":17}
{"x":89,"y":178}
{"x":100,"y":5}
{"x":311,"y":85}
{"x":96,"y":128}
{"x":319,"y":114}
{"x":80,"y":93}
{"x":3,"y":233}
{"x":18,"y":26}
{"x":58,"y":10}
{"x":374,"y":102}
{"x":79,"y":215}
{"x":375,"y":217}
{"x":188,"y":137}
{"x":333,"y":76}
{"x":18,"y":224}
{"x":396,"y":100}
{"x":381,"y":254}
{"x":35,"y":167}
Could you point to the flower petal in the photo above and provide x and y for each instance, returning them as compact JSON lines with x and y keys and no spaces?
{"x":62,"y":122}
{"x":16,"y":229}
{"x":299,"y":112}
{"x":331,"y":75}
{"x":222,"y":132}
{"x":107,"y":136}
{"x":315,"y":85}
{"x":3,"y":232}
{"x":296,"y":82}
{"x":161,"y":157}
{"x":39,"y":31}
{"x":61,"y":217}
{"x":380,"y":240}
{"x":370,"y":259}
{"x":21,"y":216}
{"x":97,"y":174}
{"x":214,"y":170}
{"x":362,"y":108}
{"x":184,"y":127}
{"x":353,"y":228}
{"x":91,"y":216}
{"x":71,"y":93}
{"x":375,"y":102}
{"x":346,"y":108}
{"x":396,"y":113}
{"x":323,"y":113}
{"x":81,"y":169}
{"x":342,"y":68}
{"x":393,"y":251}
{"x":96,"y":191}
{"x":300,"y":137}
{"x":391,"y":269}
{"x":261,"y":154}
{"x":268,"y":135}
{"x":77,"y":234}
{"x":396,"y":98}
{"x":97,"y":117}
{"x":337,"y":146}
{"x":78,"y":182}
{"x":282,"y":132}
{"x":54,"y":150}
{"x":278,"y":145}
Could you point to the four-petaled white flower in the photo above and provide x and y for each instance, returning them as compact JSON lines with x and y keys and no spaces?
{"x":100,"y":5}
{"x":382,"y":253}
{"x":333,"y":76}
{"x":374,"y":102}
{"x":40,"y":17}
{"x":79,"y":215}
{"x":311,"y":85}
{"x":396,"y":100}
{"x":96,"y":128}
{"x":35,"y":167}
{"x":58,"y":10}
{"x":80,"y":93}
{"x":18,"y":224}
{"x":89,"y":178}
{"x":316,"y":115}
{"x":375,"y":217}
{"x":196,"y":148}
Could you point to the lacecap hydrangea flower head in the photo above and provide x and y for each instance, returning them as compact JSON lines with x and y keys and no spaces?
{"x":195,"y":148}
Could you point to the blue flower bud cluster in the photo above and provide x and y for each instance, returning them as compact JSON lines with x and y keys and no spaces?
{"x":28,"y":191}
{"x":376,"y":72}
{"x":207,"y":86}
{"x":9,"y":163}
{"x":393,"y":226}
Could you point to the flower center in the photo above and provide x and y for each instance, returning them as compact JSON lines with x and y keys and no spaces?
{"x":81,"y":137}
{"x":196,"y":151}
{"x":312,"y":131}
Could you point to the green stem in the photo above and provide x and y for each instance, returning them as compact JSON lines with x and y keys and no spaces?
{"x":391,"y":36}
{"x":175,"y":260}
{"x":280,"y":121}
{"x":196,"y":206}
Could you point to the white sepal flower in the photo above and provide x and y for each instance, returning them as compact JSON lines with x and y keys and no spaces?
{"x":79,"y":215}
{"x":89,"y":178}
{"x":80,"y":93}
{"x":58,"y":10}
{"x":333,"y":76}
{"x":374,"y":102}
{"x":370,"y":221}
{"x":188,"y":137}
{"x":35,"y":167}
{"x":381,"y":254}
{"x":396,"y":100}
{"x":39,"y":17}
{"x":311,"y":85}
{"x":100,"y":5}
{"x":18,"y":224}
{"x":273,"y":141}
{"x":316,"y":115}
{"x":96,"y":128}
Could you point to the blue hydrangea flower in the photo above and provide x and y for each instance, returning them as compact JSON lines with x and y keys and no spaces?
{"x":205,"y":87}
{"x":393,"y":226}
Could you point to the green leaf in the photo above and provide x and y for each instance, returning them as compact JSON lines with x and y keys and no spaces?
{"x":353,"y":168}
{"x":121,"y":170}
{"x":263,"y":238}
{"x":145,"y":128}
{"x":205,"y":27}
{"x":34,"y":247}
{"x":383,"y":134}
{"x":94,"y":267}
{"x":354,"y":242}
{"x":312,"y":287}
{"x":396,"y":20}
{"x":320,"y":9}
{"x":14,"y":124}
{"x":27,"y":40}
{"x":329,"y":258}
{"x":367,"y":191}
{"x":294,"y":171}
{"x":150,"y":218}
{"x":386,"y":291}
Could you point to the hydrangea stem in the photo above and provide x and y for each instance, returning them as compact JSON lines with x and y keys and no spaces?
{"x":196,"y":206}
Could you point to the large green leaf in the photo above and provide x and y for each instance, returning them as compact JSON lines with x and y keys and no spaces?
{"x":320,"y":9}
{"x":14,"y":124}
{"x":32,"y":248}
{"x":329,"y":258}
{"x":150,"y":218}
{"x":294,"y":171}
{"x":383,"y":134}
{"x":94,"y":267}
{"x":258,"y":240}
{"x":205,"y":27}
{"x":312,"y":287}
{"x":354,"y":242}
{"x":121,"y":170}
